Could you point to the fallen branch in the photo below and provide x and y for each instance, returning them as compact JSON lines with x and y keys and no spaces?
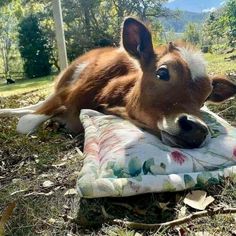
{"x":136,"y":225}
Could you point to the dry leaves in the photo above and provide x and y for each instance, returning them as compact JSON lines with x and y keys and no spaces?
{"x":182,"y":212}
{"x":204,"y":233}
{"x":70,"y":192}
{"x":48,"y":184}
{"x":198,"y":200}
{"x":163,"y":205}
{"x":6,"y":215}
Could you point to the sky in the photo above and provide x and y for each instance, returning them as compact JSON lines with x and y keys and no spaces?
{"x":195,"y":5}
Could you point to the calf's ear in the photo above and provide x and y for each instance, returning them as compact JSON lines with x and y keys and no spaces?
{"x":137,"y":39}
{"x":222,"y":89}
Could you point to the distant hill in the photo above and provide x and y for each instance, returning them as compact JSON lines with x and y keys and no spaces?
{"x":178,"y":25}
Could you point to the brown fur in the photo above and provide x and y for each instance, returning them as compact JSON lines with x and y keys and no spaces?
{"x":123,"y":81}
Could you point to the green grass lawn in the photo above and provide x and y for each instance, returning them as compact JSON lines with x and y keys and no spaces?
{"x":218,"y":65}
{"x":26,"y":162}
{"x":25,"y":85}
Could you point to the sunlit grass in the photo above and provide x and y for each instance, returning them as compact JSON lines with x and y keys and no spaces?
{"x":26,"y":85}
{"x":218,"y":65}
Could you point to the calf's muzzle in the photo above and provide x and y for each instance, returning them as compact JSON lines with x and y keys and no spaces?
{"x":191,"y":132}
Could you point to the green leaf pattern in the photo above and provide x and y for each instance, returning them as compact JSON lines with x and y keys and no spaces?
{"x":123,"y":160}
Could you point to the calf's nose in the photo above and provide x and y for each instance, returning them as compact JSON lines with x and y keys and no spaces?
{"x":193,"y":131}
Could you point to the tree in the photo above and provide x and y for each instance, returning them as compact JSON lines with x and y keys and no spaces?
{"x":229,"y":17}
{"x":219,"y":31}
{"x":9,"y":53}
{"x":94,"y":23}
{"x":34,"y":48}
{"x":191,"y":33}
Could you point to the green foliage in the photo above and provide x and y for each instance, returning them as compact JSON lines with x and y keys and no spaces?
{"x":229,"y":18}
{"x":3,"y":2}
{"x":95,"y":23}
{"x":192,"y":33}
{"x":219,"y":31}
{"x":9,"y":55}
{"x":34,"y":48}
{"x":87,"y":23}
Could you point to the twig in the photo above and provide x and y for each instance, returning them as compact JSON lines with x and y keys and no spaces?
{"x":19,"y":191}
{"x":39,"y":194}
{"x":136,"y":225}
{"x":226,"y":109}
{"x":79,"y":151}
{"x":105,"y":214}
{"x":125,"y":205}
{"x":134,"y":209}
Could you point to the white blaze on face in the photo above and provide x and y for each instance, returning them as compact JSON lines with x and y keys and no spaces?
{"x":78,"y":70}
{"x":195,"y":62}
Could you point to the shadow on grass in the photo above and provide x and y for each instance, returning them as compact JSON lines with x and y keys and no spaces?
{"x":149,"y":208}
{"x":146,"y":208}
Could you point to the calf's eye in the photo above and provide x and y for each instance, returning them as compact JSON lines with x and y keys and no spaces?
{"x":162,"y":73}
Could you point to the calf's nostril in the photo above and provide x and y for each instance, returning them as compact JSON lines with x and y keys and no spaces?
{"x":185,"y":124}
{"x":204,"y":130}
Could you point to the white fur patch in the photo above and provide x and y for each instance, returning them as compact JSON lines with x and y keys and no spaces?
{"x":79,"y":69}
{"x":30,"y":122}
{"x":195,"y":61}
{"x":14,"y":112}
{"x":19,"y":112}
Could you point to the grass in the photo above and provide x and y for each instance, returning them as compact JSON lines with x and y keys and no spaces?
{"x":26,"y":162}
{"x":218,"y":65}
{"x":26,"y":85}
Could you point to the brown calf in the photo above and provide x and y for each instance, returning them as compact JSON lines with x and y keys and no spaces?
{"x":159,"y":89}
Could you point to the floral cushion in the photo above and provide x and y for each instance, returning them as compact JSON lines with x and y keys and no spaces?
{"x":123,"y":160}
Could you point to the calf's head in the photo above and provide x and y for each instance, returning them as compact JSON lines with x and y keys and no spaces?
{"x":173,"y":87}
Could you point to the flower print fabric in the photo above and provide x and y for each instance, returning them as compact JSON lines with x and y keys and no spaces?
{"x":178,"y":157}
{"x":121,"y":159}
